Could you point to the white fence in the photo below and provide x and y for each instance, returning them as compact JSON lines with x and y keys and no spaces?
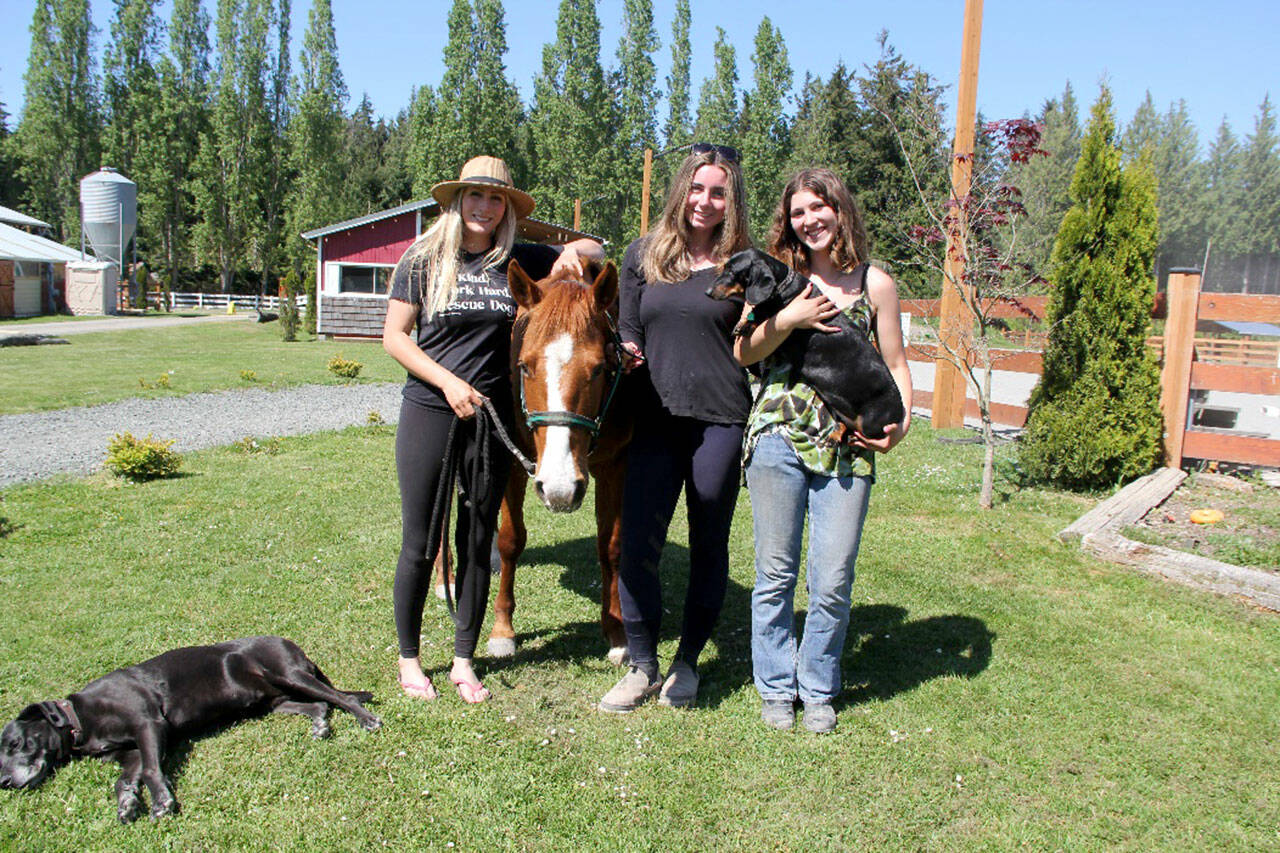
{"x":219,"y":301}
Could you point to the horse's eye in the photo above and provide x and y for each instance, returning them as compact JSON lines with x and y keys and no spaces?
{"x":597,"y":370}
{"x":524,"y":368}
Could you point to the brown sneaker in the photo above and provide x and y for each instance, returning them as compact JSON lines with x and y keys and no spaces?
{"x":632,"y":691}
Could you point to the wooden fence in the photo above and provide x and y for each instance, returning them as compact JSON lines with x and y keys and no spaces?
{"x":1188,"y":364}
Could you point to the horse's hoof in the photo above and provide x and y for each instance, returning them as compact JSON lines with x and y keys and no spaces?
{"x":618,"y":656}
{"x":502,"y":647}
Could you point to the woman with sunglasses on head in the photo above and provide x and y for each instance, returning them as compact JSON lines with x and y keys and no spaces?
{"x":451,"y":284}
{"x":691,"y":438}
{"x":795,"y":464}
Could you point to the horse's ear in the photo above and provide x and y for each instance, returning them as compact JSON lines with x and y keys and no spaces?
{"x":605,"y":289}
{"x":523,"y":289}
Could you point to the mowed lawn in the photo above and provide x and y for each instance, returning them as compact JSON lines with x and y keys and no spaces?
{"x":1003,"y":692}
{"x":103,"y":367}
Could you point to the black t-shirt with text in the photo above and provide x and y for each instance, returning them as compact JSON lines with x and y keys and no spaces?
{"x":470,"y":338}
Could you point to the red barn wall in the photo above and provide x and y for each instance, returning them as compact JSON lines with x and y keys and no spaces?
{"x":380,"y":242}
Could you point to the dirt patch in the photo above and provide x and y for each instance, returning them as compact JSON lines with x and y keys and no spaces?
{"x":1247,"y":535}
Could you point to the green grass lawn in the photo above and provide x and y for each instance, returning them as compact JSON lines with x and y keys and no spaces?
{"x":102,"y":367}
{"x":1003,"y":691}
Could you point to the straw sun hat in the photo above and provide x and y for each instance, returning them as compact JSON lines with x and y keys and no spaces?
{"x":489,"y":173}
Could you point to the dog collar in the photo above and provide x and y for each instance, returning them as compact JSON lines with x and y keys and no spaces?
{"x":61,"y":714}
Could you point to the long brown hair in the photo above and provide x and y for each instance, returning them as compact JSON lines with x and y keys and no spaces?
{"x":848,"y":249}
{"x":666,"y":254}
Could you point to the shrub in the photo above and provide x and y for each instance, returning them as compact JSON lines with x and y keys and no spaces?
{"x":250,"y":445}
{"x":346,"y":368}
{"x":374,"y":418}
{"x":141,"y":458}
{"x":289,"y":307}
{"x":162,"y":381}
{"x":312,"y":308}
{"x":1094,"y":417}
{"x":249,"y":375}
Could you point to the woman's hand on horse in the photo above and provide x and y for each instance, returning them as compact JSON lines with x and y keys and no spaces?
{"x":569,"y":259}
{"x":634,"y":357}
{"x":809,"y":310}
{"x":462,"y":398}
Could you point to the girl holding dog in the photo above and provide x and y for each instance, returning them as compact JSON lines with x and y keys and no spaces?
{"x":691,"y":436}
{"x":451,"y":286}
{"x":794,"y":462}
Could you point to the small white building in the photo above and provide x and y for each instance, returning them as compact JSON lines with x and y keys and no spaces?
{"x":33,"y":272}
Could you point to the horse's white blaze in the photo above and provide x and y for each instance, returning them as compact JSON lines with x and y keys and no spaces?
{"x":556,"y":472}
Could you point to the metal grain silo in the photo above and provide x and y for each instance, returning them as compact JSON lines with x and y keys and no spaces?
{"x":108,"y":212}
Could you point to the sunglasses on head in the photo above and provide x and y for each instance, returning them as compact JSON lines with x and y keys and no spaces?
{"x":725,"y":152}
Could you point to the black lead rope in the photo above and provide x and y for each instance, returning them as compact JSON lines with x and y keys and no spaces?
{"x":487,"y":423}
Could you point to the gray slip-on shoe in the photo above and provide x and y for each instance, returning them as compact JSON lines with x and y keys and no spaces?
{"x":819,"y":717}
{"x":680,"y":690}
{"x":631,"y":691}
{"x":778,"y":713}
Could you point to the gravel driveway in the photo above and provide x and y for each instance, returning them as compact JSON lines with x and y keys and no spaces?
{"x":75,"y":440}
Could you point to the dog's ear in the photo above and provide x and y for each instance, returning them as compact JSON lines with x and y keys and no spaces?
{"x":31,"y":712}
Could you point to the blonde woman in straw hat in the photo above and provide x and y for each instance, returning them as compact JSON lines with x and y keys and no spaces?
{"x":448,"y":324}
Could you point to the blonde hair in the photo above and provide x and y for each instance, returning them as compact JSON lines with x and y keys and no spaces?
{"x":435,"y":256}
{"x":850,"y":246}
{"x":666,"y":253}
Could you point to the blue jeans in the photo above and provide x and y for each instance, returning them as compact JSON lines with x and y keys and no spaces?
{"x":782,"y":491}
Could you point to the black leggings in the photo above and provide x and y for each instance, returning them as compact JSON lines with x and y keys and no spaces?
{"x":420,"y":444}
{"x":667,"y":454}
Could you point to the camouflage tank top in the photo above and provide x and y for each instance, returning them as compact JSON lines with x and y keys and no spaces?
{"x":797,"y":413}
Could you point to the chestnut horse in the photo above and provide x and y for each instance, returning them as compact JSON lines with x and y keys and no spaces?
{"x":566,"y":372}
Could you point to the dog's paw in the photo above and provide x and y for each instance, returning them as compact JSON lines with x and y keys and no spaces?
{"x":372,"y":723}
{"x":128,"y":810}
{"x":320,"y":729}
{"x":167,"y":805}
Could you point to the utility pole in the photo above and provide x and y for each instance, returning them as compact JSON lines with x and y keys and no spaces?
{"x":956,"y":323}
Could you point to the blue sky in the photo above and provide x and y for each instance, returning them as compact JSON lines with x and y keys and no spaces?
{"x":1219,"y":56}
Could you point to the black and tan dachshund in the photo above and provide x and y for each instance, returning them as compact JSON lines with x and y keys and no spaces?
{"x":843,"y":367}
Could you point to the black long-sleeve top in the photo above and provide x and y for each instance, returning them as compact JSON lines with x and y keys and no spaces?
{"x":687,"y":341}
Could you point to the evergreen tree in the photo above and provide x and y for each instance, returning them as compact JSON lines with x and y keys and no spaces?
{"x":1095,"y":416}
{"x":1169,"y":144}
{"x":1045,"y":182}
{"x":11,"y":188}
{"x":764,"y":129}
{"x":635,"y":90}
{"x":316,"y":196}
{"x":167,"y":152}
{"x":130,"y":88}
{"x":1222,"y":195}
{"x":395,"y":178}
{"x":677,"y":130}
{"x":498,"y":112}
{"x":826,"y":129}
{"x":718,"y":99}
{"x":422,"y":118}
{"x":446,"y":142}
{"x":57,"y":142}
{"x":1259,"y":175}
{"x":232,"y":168}
{"x":899,"y":156}
{"x":1143,"y":133}
{"x":571,"y":119}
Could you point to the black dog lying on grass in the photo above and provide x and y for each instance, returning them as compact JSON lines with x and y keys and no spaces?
{"x":843,"y":367}
{"x":134,"y":714}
